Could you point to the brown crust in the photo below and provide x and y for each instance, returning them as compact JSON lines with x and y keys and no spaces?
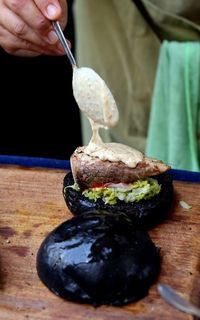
{"x":90,"y":171}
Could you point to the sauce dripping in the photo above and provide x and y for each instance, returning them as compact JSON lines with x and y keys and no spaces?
{"x":97,"y":103}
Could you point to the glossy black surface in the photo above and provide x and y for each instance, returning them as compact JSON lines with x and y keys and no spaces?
{"x":145,"y":213}
{"x":98,"y":258}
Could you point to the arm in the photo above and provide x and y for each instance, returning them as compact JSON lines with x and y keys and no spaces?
{"x":25,"y":28}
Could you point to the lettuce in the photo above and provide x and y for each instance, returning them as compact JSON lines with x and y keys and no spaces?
{"x":134,"y":192}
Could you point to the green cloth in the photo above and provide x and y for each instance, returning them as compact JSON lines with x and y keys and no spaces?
{"x":174,"y":126}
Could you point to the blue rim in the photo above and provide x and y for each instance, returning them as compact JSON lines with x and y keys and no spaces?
{"x":35,"y":162}
{"x":184,"y":175}
{"x":181,"y":175}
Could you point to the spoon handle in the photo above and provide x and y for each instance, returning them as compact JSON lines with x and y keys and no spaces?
{"x":63,"y":41}
{"x":175,"y":300}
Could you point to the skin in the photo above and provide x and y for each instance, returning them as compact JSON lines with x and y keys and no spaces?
{"x":25,"y":27}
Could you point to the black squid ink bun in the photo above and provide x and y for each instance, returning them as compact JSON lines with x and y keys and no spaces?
{"x":144,"y":214}
{"x":98,"y":258}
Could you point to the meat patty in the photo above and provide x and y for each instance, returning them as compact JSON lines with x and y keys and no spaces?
{"x":91,"y":172}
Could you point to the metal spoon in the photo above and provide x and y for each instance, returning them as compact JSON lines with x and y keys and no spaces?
{"x":63,"y":41}
{"x":175,"y":300}
{"x":90,"y":91}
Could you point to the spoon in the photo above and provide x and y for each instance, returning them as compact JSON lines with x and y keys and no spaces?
{"x":63,"y":41}
{"x":175,"y":300}
{"x":94,"y":97}
{"x":90,"y":91}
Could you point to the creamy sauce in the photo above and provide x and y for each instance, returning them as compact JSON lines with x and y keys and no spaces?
{"x":111,"y":151}
{"x":93,"y":97}
{"x":96,"y":101}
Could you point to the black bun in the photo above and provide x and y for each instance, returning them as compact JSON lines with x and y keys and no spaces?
{"x":145,"y":213}
{"x":98,"y":258}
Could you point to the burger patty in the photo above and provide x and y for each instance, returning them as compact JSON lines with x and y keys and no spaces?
{"x":91,"y":172}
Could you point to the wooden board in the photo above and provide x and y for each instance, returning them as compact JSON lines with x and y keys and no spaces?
{"x":31,"y":205}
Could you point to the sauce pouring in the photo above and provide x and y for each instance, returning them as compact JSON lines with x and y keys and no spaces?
{"x":96,"y":101}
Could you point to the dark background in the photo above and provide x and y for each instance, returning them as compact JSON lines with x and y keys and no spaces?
{"x":39,"y":116}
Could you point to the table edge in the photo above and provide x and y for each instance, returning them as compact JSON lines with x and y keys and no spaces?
{"x":177,"y":174}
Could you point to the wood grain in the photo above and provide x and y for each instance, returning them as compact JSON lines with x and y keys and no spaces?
{"x":31,"y":205}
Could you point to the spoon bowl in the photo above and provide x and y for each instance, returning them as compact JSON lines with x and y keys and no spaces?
{"x":177,"y":301}
{"x":90,"y":91}
{"x":94,"y":97}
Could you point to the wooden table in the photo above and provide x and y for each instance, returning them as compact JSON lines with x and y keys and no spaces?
{"x":31,"y":205}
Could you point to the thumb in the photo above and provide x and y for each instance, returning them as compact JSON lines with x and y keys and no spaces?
{"x":51,"y":9}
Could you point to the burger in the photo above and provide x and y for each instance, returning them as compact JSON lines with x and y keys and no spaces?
{"x":100,"y":256}
{"x":143,"y":192}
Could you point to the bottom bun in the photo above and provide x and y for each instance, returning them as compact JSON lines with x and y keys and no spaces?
{"x":99,"y":258}
{"x":145,"y":213}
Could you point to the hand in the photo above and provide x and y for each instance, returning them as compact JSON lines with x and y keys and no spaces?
{"x":25,"y":29}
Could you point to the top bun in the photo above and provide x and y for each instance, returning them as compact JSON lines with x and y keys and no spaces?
{"x":98,"y":258}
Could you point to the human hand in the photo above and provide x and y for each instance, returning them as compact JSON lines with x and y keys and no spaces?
{"x":25,"y":29}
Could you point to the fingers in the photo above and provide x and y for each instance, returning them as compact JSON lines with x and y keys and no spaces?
{"x":27,"y":22}
{"x":27,"y":12}
{"x":20,"y":47}
{"x":10,"y":43}
{"x":54,"y":10}
{"x":50,"y":8}
{"x":15,"y":25}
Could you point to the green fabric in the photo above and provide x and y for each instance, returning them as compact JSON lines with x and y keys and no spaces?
{"x":174,"y":126}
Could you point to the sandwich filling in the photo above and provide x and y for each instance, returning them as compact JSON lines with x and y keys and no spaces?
{"x":132,"y":192}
